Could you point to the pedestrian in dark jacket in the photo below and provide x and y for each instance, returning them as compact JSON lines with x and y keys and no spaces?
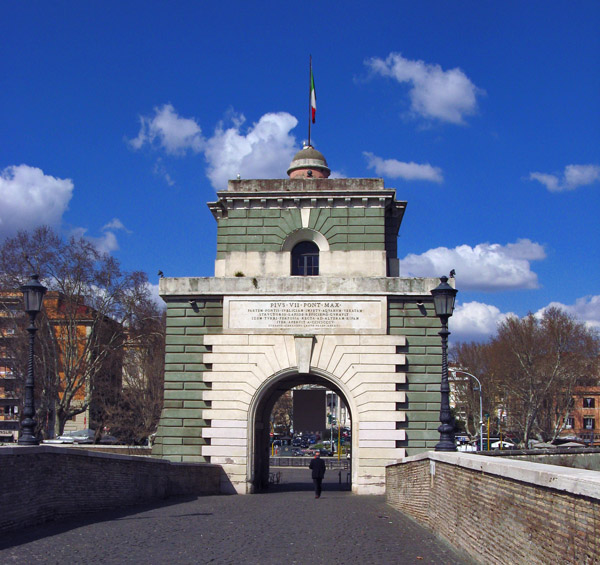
{"x":317,"y":465}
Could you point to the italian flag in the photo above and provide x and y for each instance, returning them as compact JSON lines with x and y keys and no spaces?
{"x":313,"y":97}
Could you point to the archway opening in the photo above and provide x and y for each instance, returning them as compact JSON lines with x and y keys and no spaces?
{"x":283,"y":444}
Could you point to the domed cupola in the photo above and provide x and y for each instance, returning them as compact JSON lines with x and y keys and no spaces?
{"x":309,"y":163}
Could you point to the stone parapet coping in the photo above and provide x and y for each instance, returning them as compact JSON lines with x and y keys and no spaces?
{"x":575,"y":481}
{"x":81,"y":451}
{"x":220,"y":286}
{"x":303,"y":185}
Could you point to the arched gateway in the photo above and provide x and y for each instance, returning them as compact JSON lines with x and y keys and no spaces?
{"x":305,"y":292}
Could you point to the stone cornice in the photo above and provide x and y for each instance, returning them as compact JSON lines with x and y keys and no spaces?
{"x":313,"y":199}
{"x":190,"y":287}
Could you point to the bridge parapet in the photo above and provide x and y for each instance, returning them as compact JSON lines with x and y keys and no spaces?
{"x":49,"y":483}
{"x":500,"y":510}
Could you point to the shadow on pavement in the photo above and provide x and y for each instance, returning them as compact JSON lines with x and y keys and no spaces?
{"x":60,"y":524}
{"x":293,"y":479}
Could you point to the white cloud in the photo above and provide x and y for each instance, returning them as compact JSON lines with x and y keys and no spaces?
{"x":264,"y":151}
{"x":115,"y":224}
{"x":407,"y":171}
{"x":448,"y":96}
{"x":176,"y":135}
{"x":485,"y":267}
{"x":161,"y":171}
{"x":585,"y":309}
{"x":29,"y":198}
{"x":154,"y":296}
{"x":573,"y":177}
{"x":475,"y":321}
{"x":106,"y":243}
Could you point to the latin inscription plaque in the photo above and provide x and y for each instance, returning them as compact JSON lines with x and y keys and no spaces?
{"x":322,"y":314}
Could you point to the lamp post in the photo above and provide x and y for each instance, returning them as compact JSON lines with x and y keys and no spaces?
{"x":443,"y":300}
{"x":33,"y":295}
{"x":480,"y":404}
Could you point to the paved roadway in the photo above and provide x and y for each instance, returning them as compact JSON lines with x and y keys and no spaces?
{"x":285,"y":526}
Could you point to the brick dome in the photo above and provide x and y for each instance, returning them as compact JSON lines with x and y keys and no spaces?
{"x":309,"y":163}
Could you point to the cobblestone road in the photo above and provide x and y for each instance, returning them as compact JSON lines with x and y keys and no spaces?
{"x":287,"y":525}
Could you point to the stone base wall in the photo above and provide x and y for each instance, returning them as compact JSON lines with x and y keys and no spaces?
{"x":502,"y":511}
{"x":49,"y":483}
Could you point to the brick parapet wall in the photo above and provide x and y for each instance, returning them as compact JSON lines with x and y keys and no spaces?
{"x":49,"y":483}
{"x":179,"y":435}
{"x":420,"y":326}
{"x":502,"y":511}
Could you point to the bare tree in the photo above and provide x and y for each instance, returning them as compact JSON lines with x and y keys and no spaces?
{"x":544,"y":360}
{"x":477,"y":359}
{"x":531,"y":368}
{"x":84,"y":324}
{"x":134,"y":414}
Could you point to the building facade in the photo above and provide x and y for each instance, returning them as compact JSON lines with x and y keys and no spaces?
{"x":306,"y":291}
{"x":584,"y":420}
{"x":11,"y":309}
{"x":66,"y":346}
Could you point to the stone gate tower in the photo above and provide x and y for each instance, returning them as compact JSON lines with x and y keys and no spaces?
{"x":306,"y":291}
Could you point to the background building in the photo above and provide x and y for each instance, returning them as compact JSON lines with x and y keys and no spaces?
{"x":64,"y":354}
{"x":584,"y":421}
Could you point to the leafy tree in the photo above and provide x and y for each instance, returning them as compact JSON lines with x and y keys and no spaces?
{"x":90,"y":318}
{"x":282,"y":413}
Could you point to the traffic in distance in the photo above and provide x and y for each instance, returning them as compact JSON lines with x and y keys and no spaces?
{"x":308,"y":444}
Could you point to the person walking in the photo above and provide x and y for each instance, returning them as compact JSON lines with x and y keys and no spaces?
{"x":317,"y":465}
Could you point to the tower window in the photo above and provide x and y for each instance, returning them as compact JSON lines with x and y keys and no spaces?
{"x":305,"y":259}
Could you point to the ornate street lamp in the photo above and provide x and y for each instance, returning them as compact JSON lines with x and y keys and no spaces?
{"x":443,"y":300}
{"x":33,"y":295}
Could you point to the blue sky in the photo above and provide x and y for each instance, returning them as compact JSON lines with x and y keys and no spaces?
{"x":120,"y":120}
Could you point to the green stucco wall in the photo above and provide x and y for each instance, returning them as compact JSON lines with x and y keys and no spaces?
{"x":179,"y":435}
{"x":258,"y":229}
{"x":423,"y":371}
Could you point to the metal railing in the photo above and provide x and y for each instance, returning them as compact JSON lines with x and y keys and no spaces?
{"x":330,"y":462}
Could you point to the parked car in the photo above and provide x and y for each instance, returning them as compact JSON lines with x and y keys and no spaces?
{"x":78,"y":436}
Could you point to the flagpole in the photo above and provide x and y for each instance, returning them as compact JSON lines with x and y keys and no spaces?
{"x":309,"y":97}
